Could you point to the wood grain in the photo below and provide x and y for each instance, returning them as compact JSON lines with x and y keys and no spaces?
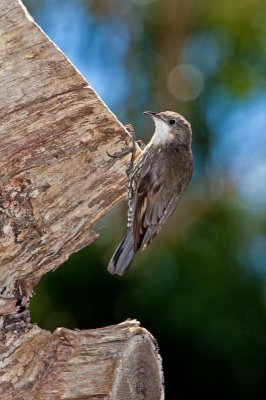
{"x":117,"y":362}
{"x":56,"y":181}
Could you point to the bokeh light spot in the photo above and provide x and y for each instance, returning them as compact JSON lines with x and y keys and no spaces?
{"x":185,"y":82}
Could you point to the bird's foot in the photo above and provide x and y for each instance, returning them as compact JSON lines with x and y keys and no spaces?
{"x":141,"y":144}
{"x":125,"y":152}
{"x":131,"y":149}
{"x":120,"y":154}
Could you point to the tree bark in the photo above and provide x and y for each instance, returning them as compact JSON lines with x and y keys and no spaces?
{"x":56,"y":181}
{"x":117,"y":362}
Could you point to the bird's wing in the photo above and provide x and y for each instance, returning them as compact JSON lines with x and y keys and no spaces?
{"x":155,"y":202}
{"x":185,"y":176}
{"x":151,"y":203}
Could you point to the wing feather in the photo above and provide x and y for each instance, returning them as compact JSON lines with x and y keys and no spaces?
{"x":157,"y":191}
{"x":150,"y":207}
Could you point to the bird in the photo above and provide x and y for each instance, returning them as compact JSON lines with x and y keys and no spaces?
{"x":155,"y":185}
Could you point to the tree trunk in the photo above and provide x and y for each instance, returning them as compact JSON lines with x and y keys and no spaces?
{"x":56,"y":182}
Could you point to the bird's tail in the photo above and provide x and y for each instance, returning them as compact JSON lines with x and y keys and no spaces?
{"x":123,"y":255}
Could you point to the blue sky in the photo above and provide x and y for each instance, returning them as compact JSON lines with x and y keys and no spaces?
{"x":99,"y":48}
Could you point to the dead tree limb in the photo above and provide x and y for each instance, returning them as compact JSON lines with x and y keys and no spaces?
{"x":56,"y":181}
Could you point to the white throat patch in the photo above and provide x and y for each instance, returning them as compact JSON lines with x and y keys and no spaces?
{"x":161,"y":135}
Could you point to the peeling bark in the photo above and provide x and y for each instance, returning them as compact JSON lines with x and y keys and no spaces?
{"x":56,"y":181}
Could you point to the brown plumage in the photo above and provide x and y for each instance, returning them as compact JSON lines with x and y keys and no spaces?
{"x":156,"y":185}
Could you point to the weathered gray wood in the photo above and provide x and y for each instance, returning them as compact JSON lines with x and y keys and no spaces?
{"x":56,"y":181}
{"x":117,"y":362}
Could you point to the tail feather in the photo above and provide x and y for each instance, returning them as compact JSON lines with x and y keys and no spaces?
{"x":123,"y":255}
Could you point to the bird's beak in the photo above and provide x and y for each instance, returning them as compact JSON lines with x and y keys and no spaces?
{"x":151,"y":114}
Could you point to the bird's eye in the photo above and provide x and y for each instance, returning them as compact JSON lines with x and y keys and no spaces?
{"x":172,"y":122}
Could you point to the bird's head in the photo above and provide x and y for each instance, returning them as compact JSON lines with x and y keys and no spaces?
{"x":170,"y":127}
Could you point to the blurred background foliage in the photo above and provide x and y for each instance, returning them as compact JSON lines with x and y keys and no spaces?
{"x":200,"y":287}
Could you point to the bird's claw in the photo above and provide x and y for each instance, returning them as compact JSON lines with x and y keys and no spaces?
{"x":141,"y":144}
{"x":120,"y":154}
{"x":132,"y":149}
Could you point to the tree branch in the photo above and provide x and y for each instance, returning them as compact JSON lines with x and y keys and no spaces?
{"x":56,"y":181}
{"x":56,"y":177}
